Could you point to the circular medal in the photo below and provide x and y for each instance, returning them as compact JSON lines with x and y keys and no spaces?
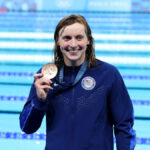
{"x":49,"y":70}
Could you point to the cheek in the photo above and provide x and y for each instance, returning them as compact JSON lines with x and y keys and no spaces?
{"x":63,"y":44}
{"x":84,"y":43}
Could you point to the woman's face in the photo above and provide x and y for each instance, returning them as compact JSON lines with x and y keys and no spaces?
{"x":73,"y":44}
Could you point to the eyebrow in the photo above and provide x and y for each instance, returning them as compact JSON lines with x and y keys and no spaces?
{"x":75,"y":35}
{"x":79,"y":35}
{"x":66,"y":36}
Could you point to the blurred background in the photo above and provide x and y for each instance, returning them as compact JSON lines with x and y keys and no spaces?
{"x":122,"y":37}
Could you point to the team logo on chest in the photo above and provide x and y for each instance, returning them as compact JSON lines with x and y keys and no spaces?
{"x":88,"y":83}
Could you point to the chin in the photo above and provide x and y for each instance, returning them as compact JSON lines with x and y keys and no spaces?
{"x":74,"y":59}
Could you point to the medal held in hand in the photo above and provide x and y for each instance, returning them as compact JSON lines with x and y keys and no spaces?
{"x":49,"y":70}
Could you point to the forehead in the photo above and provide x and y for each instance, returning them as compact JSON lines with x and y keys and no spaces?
{"x":73,"y":29}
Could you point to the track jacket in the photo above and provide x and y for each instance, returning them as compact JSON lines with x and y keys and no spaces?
{"x":83,"y":116}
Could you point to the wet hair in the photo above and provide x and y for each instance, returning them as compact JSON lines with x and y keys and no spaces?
{"x":69,"y":20}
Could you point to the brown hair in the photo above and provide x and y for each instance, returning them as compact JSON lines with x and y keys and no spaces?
{"x":69,"y":20}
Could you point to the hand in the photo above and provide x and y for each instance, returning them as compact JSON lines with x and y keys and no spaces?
{"x":43,"y":85}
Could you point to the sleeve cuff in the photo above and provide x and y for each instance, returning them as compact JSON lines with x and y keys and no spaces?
{"x":39,"y":104}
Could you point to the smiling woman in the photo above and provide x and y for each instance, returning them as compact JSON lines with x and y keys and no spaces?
{"x":73,"y":32}
{"x":73,"y":44}
{"x":84,"y":101}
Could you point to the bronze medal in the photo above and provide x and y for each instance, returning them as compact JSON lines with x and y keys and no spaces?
{"x":49,"y":70}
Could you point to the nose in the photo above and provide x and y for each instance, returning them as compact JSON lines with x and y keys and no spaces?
{"x":73,"y":43}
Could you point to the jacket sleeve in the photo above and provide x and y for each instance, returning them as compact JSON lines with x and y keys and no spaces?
{"x":32,"y":113}
{"x":121,"y":109}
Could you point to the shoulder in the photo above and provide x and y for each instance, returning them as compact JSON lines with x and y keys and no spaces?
{"x":102,"y":65}
{"x":106,"y":70}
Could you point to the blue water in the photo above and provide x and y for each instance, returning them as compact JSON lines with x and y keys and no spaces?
{"x":16,"y":75}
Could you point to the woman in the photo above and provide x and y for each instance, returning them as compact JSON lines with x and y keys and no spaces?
{"x":86,"y":100}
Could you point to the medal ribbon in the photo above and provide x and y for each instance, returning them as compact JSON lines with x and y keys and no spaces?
{"x":78,"y":76}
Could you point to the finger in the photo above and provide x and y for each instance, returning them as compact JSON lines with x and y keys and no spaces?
{"x":46,"y":81}
{"x":38,"y":75}
{"x":50,"y":81}
{"x":46,"y":87}
{"x":42,"y":81}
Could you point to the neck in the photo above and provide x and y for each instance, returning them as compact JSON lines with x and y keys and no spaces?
{"x":73,"y":64}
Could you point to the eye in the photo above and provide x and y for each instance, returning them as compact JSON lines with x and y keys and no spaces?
{"x":66,"y":38}
{"x":79,"y":37}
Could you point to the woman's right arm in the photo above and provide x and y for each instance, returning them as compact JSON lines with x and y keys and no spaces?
{"x":35,"y":107}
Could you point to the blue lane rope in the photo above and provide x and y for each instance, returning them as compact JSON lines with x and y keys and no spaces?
{"x":136,"y":77}
{"x":24,"y":98}
{"x":42,"y":136}
{"x":21,"y":135}
{"x":13,"y":98}
{"x":30,"y":74}
{"x":20,"y":74}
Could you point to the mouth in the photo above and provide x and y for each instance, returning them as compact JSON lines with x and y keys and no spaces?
{"x":73,"y":49}
{"x":73,"y":53}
